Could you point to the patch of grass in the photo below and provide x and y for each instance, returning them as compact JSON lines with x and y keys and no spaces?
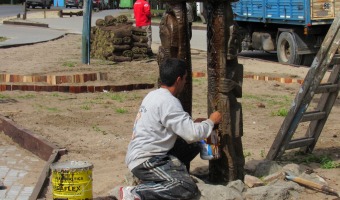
{"x":55,"y":95}
{"x":85,"y":107}
{"x":135,"y":96}
{"x":329,"y":164}
{"x":2,"y":39}
{"x":69,"y":64}
{"x":262,"y":153}
{"x":121,"y":110}
{"x":51,"y":109}
{"x":4,"y":96}
{"x":97,"y":129}
{"x":94,"y":101}
{"x":325,"y":161}
{"x":118,"y":97}
{"x":198,"y":81}
{"x":272,"y":102}
{"x":277,"y":100}
{"x":27,"y":96}
{"x":281,"y":112}
{"x":246,"y":154}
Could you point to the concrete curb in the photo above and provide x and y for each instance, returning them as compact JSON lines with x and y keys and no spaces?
{"x":13,"y":22}
{"x":30,"y":43}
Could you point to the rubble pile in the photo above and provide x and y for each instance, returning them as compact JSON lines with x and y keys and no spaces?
{"x":116,"y":39}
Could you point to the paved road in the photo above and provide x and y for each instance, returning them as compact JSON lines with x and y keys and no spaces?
{"x":10,"y":10}
{"x":60,"y":26}
{"x":75,"y":24}
{"x":19,"y":35}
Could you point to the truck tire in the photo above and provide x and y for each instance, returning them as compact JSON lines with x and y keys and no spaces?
{"x":287,"y":49}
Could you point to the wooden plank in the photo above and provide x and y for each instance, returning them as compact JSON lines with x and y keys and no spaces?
{"x":43,"y":176}
{"x":326,"y":88}
{"x":318,"y":11}
{"x":314,"y":115}
{"x":306,"y":92}
{"x":27,"y":139}
{"x":336,"y":58}
{"x":302,"y":142}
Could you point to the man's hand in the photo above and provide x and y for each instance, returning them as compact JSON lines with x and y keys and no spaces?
{"x":216,"y":117}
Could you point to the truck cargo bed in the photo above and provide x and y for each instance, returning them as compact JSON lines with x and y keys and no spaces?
{"x":294,"y":12}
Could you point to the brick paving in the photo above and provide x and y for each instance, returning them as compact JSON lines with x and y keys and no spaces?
{"x":19,"y":171}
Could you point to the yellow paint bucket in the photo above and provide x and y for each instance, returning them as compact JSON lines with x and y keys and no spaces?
{"x":72,"y":180}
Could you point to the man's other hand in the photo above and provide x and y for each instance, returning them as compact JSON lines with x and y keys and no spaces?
{"x":216,"y":117}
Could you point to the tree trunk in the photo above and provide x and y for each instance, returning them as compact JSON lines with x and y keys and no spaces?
{"x":224,"y":86}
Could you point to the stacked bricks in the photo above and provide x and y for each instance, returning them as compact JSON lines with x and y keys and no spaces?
{"x":58,"y":83}
{"x":53,"y":79}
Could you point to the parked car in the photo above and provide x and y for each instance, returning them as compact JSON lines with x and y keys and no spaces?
{"x":74,"y":3}
{"x":39,"y":3}
{"x":100,"y":4}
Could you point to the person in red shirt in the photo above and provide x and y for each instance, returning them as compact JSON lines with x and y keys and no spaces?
{"x":142,"y":13}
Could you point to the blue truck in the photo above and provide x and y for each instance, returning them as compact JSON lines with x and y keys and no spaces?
{"x":294,"y":29}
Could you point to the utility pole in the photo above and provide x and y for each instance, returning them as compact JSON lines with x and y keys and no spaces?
{"x":25,"y":11}
{"x":86,"y":32}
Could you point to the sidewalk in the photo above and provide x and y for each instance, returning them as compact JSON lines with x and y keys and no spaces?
{"x":17,"y":167}
{"x":24,"y":35}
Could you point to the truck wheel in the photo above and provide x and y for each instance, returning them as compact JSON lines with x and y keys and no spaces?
{"x":287,"y":49}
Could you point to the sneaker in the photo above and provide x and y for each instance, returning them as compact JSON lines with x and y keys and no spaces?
{"x":126,"y":193}
{"x":205,"y":152}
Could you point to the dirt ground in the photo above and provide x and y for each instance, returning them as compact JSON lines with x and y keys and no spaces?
{"x":96,"y":127}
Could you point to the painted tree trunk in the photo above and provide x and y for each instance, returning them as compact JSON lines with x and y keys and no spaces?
{"x":175,"y":44}
{"x":224,"y":86}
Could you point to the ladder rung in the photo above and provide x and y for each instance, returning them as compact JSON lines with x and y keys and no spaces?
{"x":335,"y":60}
{"x":326,"y":88}
{"x":301,"y":142}
{"x":314,"y":115}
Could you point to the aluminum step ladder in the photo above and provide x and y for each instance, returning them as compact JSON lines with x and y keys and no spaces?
{"x":312,"y":85}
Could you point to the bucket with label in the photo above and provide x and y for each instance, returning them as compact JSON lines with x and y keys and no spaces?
{"x":72,"y":180}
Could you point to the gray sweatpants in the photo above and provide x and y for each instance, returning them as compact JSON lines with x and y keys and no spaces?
{"x":164,"y":177}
